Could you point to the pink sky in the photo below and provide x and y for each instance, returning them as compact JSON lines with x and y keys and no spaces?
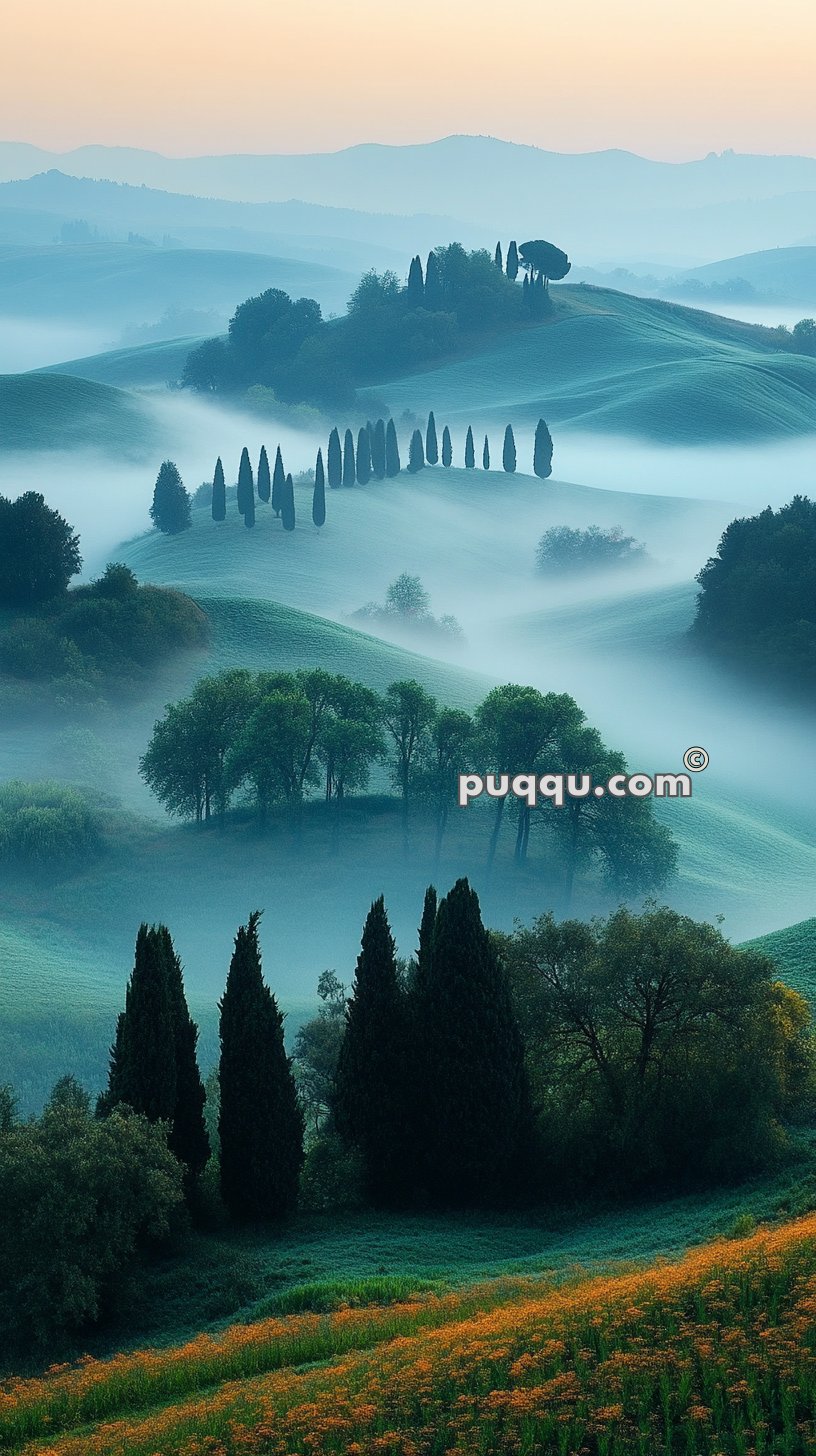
{"x":659,"y":77}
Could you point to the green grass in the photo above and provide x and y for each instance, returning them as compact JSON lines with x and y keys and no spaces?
{"x":617,"y":364}
{"x":58,"y":412}
{"x":138,"y":367}
{"x":794,"y":951}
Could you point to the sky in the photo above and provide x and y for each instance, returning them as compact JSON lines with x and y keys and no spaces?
{"x":665,"y":79}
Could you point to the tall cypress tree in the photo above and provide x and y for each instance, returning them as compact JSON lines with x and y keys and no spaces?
{"x":498,"y":257}
{"x":170,"y":508}
{"x":416,"y":453}
{"x":278,"y":478}
{"x":378,"y":450}
{"x":334,"y":460}
{"x":431,"y":443}
{"x":512,"y":262}
{"x":542,"y":451}
{"x":370,"y":1084}
{"x":142,"y":1069}
{"x":470,"y":452}
{"x":486,"y":454}
{"x":363,"y":457}
{"x":416,"y":284}
{"x":447,"y":448}
{"x":422,"y":979}
{"x":188,"y":1134}
{"x":392,"y":454}
{"x":260,"y":1124}
{"x":264,"y":478}
{"x":349,"y":466}
{"x":509,"y":450}
{"x":219,"y":493}
{"x":479,"y":1139}
{"x":246,"y":483}
{"x":433,"y":282}
{"x":288,"y":505}
{"x":319,"y":496}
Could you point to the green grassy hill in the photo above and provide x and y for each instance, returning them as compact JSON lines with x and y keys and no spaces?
{"x":138,"y":367}
{"x":613,"y":363}
{"x":785,"y":272}
{"x":59,"y":412}
{"x":794,"y":950}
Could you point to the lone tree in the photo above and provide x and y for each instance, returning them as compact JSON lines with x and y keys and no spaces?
{"x":378,"y":459}
{"x":264,"y":478}
{"x":486,"y":454}
{"x":416,"y":453}
{"x":544,"y":261}
{"x":509,"y":450}
{"x":219,"y":493}
{"x":278,"y":479}
{"x":447,"y":448}
{"x":369,"y":1089}
{"x":288,"y":505}
{"x":246,"y":483}
{"x":470,"y":452}
{"x":480,"y":1128}
{"x":431,"y":443}
{"x":349,"y":465}
{"x":512,"y":262}
{"x":392,"y":454}
{"x":334,"y":460}
{"x":363,"y":457}
{"x":542,"y":451}
{"x":39,"y":551}
{"x":260,"y":1124}
{"x":170,"y":511}
{"x":319,"y":494}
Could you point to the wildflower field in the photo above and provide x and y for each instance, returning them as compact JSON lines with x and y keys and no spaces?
{"x":714,"y":1355}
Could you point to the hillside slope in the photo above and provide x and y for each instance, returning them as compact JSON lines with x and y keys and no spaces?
{"x":141,"y":366}
{"x":785,"y":272}
{"x":613,"y":363}
{"x":58,"y":412}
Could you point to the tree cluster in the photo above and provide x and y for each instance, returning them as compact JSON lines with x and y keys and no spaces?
{"x":283,"y":738}
{"x":568,"y":549}
{"x":407,"y":609}
{"x":757,"y":603}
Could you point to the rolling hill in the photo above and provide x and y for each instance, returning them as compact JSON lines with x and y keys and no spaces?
{"x":60,"y":412}
{"x":620,"y":365}
{"x":794,"y":950}
{"x":784,"y":273}
{"x":140,"y":366}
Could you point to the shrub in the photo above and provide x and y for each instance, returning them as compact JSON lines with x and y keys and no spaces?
{"x":567,"y":549}
{"x":46,"y":823}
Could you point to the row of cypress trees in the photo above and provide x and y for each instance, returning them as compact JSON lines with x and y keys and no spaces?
{"x":275,"y":487}
{"x":431,"y":1085}
{"x":154,"y":1070}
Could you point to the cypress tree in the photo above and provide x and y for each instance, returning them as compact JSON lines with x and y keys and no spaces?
{"x":334,"y":460}
{"x":431,"y":444}
{"x":512,"y":262}
{"x":392,"y":454}
{"x":470,"y":452}
{"x":219,"y":493}
{"x":419,"y":1109}
{"x":542,"y":451}
{"x":142,"y":1069}
{"x":246,"y":483}
{"x":433,"y":282}
{"x":363,"y":457}
{"x":370,"y":1090}
{"x":319,"y":496}
{"x":278,"y":479}
{"x":498,"y":257}
{"x":525,"y":292}
{"x":260,"y":1124}
{"x":170,"y":509}
{"x":422,"y":979}
{"x":349,"y":467}
{"x":479,"y":1138}
{"x":416,"y":284}
{"x":486,"y":454}
{"x":288,"y":505}
{"x":188,"y":1134}
{"x":447,"y":448}
{"x":509,"y":450}
{"x":264,"y":478}
{"x":249,"y":512}
{"x":378,"y":450}
{"x":416,"y":453}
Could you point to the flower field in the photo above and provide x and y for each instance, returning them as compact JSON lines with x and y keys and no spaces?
{"x":714,"y":1355}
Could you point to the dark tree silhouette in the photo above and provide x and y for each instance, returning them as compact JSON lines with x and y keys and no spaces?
{"x":170,"y":510}
{"x":39,"y":551}
{"x":334,"y":460}
{"x":486,"y":454}
{"x":543,"y":260}
{"x":249,"y":511}
{"x":447,"y":448}
{"x":498,"y":260}
{"x":349,"y":464}
{"x":416,"y":453}
{"x":363,"y":464}
{"x":319,"y":496}
{"x":246,"y":483}
{"x":416,"y":284}
{"x":470,"y":451}
{"x":431,"y":443}
{"x":509,"y":451}
{"x":188,"y":1133}
{"x":219,"y":493}
{"x":288,"y":505}
{"x":142,"y":1070}
{"x":378,"y":461}
{"x":433,"y":283}
{"x":278,"y":479}
{"x":512,"y":262}
{"x":264,"y":478}
{"x":542,"y":451}
{"x":392,"y":454}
